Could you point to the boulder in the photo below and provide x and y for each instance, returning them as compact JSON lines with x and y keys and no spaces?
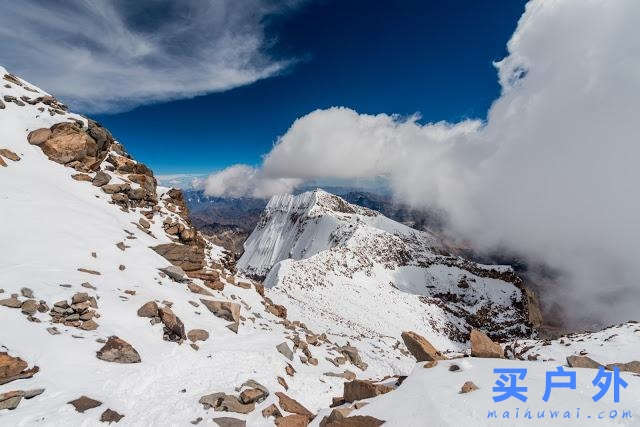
{"x":361,"y":389}
{"x":252,"y":395}
{"x":38,"y":136}
{"x":197,"y":335}
{"x":291,"y":405}
{"x":189,"y":258}
{"x":482,"y":346}
{"x":223,"y":309}
{"x":101,"y":178}
{"x":83,"y":403}
{"x":582,"y":362}
{"x":10,"y":400}
{"x":26,"y":292}
{"x":116,"y":188}
{"x":81,"y":177}
{"x":29,"y":307}
{"x":119,"y":351}
{"x":101,"y":135}
{"x":420,"y":348}
{"x":199,"y":290}
{"x":68,"y":143}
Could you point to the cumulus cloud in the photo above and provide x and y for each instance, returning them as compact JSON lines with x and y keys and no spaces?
{"x":552,"y":173}
{"x":245,"y":181}
{"x":114,"y":55}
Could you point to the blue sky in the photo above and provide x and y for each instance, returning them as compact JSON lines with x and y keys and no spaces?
{"x":433,"y":57}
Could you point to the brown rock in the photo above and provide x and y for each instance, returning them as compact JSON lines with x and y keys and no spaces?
{"x":82,"y":177}
{"x":9,"y":154}
{"x":482,"y":346}
{"x":38,"y":136}
{"x":12,"y":302}
{"x":229,"y":422}
{"x":29,"y":307}
{"x":283,"y":383}
{"x":252,"y":395}
{"x":271,"y":411}
{"x":148,"y":309}
{"x":11,"y":399}
{"x":361,"y":389}
{"x":259,"y":288}
{"x":69,"y":143}
{"x":468,"y":387}
{"x":89,"y":325}
{"x":430,"y":364}
{"x":198,"y":335}
{"x":292,"y":421}
{"x":225,"y":402}
{"x":582,"y":362}
{"x":277,"y":310}
{"x":172,"y":322}
{"x":119,"y":351}
{"x":290,"y":405}
{"x":420,"y":348}
{"x":633,"y":366}
{"x":199,"y":290}
{"x":110,"y":416}
{"x":83,"y":403}
{"x":356,"y":421}
{"x":187,"y":257}
{"x":85,"y":270}
{"x":223,"y":309}
{"x":10,"y":366}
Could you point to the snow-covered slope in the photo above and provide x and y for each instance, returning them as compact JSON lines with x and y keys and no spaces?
{"x":51,"y":225}
{"x":358,"y":273}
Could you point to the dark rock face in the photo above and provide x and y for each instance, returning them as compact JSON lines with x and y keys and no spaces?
{"x":119,"y":351}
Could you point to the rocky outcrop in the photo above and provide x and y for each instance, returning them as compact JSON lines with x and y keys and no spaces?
{"x":420,"y":348}
{"x":482,"y":346}
{"x":119,"y":351}
{"x":187,"y":257}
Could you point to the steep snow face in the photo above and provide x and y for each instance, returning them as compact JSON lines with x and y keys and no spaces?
{"x":358,"y":273}
{"x":300,"y":226}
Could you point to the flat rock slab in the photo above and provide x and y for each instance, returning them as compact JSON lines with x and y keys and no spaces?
{"x":119,"y":351}
{"x":110,"y":416}
{"x":84,"y":403}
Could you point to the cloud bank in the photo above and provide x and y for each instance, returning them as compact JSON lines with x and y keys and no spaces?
{"x":553,"y":171}
{"x":105,"y":56}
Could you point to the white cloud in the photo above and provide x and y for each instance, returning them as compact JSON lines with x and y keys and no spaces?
{"x":553,"y":173}
{"x":245,"y":181}
{"x":109,"y":56}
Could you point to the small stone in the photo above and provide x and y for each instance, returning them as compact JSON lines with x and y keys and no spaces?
{"x":198,"y":335}
{"x":53,"y":331}
{"x":122,"y":268}
{"x":283,"y":383}
{"x":468,"y":387}
{"x":26,"y":292}
{"x":454,"y":368}
{"x":110,"y":416}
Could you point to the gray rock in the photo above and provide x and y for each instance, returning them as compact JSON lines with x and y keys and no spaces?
{"x":284,"y":349}
{"x":101,"y":178}
{"x":26,"y":292}
{"x":176,"y":273}
{"x":119,"y":351}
